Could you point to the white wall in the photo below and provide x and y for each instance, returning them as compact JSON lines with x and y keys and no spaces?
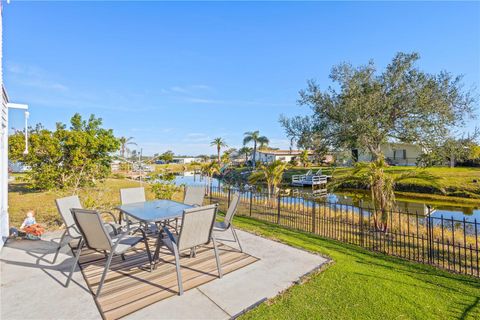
{"x":3,"y":148}
{"x":186,"y":160}
{"x":267,"y":157}
{"x":396,"y":154}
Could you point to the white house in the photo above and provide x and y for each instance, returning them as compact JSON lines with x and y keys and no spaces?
{"x":186,"y":160}
{"x":269,"y":155}
{"x":5,"y":105}
{"x":400,"y":154}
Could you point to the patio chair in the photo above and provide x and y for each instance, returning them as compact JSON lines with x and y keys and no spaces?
{"x":196,"y":230}
{"x":96,"y":237}
{"x":226,"y":224}
{"x":194,"y":195}
{"x":132,"y":195}
{"x":63,"y":206}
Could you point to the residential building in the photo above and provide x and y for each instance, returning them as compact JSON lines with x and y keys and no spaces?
{"x":270,"y":155}
{"x":400,"y":154}
{"x":186,"y":160}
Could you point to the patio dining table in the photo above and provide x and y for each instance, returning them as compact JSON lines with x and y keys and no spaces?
{"x":156,"y":211}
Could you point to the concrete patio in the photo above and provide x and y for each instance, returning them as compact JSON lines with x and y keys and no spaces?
{"x":32,"y":288}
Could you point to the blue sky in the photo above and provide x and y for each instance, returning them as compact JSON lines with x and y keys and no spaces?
{"x":176,"y":75}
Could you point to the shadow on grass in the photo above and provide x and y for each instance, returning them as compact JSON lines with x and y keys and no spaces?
{"x":22,"y":188}
{"x":470,"y":309}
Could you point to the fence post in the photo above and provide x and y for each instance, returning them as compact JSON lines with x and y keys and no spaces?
{"x":314,"y":219}
{"x":429,"y":235}
{"x":228,"y":200}
{"x":211,"y":196}
{"x":278,"y":209}
{"x":251,"y":200}
{"x":362,"y":240}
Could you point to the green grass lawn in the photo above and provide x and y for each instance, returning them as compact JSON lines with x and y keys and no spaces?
{"x":457,"y":182}
{"x":363,"y":285}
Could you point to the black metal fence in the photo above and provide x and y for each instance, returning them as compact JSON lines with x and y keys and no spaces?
{"x":442,"y":242}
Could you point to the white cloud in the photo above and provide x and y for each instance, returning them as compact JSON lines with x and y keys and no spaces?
{"x":245,"y":103}
{"x":189,"y":89}
{"x":34,"y":77}
{"x":195,"y":137}
{"x":51,"y":93}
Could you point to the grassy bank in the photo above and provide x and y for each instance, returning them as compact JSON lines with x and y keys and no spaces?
{"x":363,"y":285}
{"x":457,"y":182}
{"x":104,"y":196}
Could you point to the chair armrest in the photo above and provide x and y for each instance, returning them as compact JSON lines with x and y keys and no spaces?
{"x":110,"y":214}
{"x":114,"y":227}
{"x":74,"y":227}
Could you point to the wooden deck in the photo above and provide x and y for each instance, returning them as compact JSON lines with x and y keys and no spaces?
{"x":129,"y":285}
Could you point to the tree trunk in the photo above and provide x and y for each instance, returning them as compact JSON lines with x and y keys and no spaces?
{"x":452,"y":161}
{"x":218,"y":154}
{"x":376,"y":152}
{"x":254,"y":153}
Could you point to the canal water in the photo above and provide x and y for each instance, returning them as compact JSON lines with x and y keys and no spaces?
{"x":449,"y":210}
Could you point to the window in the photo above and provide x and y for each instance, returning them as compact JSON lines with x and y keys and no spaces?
{"x":400,"y":154}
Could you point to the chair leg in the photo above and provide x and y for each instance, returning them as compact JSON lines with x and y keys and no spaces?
{"x":104,"y":274}
{"x":193,"y":252}
{"x":60,"y":245}
{"x":179,"y":273}
{"x":236,"y":238}
{"x":217,"y":257}
{"x":77,"y":257}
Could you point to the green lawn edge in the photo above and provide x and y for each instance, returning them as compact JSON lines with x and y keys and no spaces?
{"x":359,"y":284}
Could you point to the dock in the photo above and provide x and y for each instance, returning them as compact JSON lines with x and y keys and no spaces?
{"x":309,"y":179}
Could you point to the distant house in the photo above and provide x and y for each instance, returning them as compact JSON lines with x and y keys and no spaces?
{"x":18,"y":167}
{"x":186,"y":160}
{"x":269,"y":155}
{"x":115,"y":165}
{"x":400,"y":154}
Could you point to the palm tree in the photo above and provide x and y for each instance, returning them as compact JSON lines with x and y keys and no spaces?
{"x":263,"y":144}
{"x":219,"y":143}
{"x":210,"y":169}
{"x":124,"y":143}
{"x":381,"y":185}
{"x":256,"y":138}
{"x":271,"y":173}
{"x":304,"y":158}
{"x":226,"y":157}
{"x":245,"y":151}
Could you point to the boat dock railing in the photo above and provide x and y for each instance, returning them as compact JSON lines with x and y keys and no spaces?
{"x":301,"y":180}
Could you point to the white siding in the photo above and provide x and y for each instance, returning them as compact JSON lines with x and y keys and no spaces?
{"x":3,"y":148}
{"x":398,"y":153}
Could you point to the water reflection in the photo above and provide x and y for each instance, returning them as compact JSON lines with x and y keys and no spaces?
{"x":360,"y":199}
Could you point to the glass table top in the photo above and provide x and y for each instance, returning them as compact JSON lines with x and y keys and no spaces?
{"x":156,"y":210}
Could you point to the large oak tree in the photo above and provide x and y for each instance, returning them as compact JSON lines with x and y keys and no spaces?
{"x":367,"y":108}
